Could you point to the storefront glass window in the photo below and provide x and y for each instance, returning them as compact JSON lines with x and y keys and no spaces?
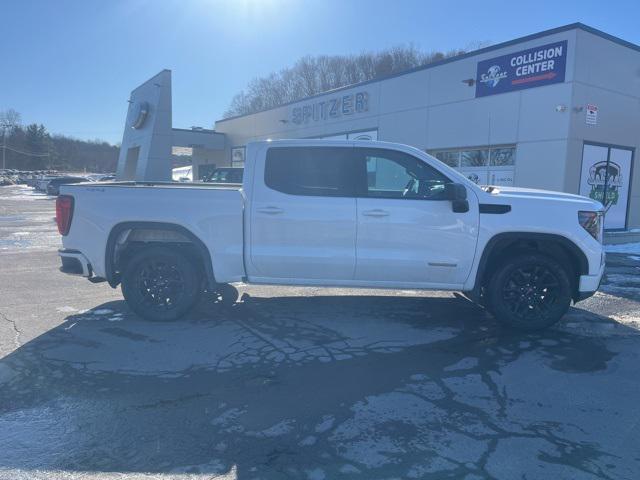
{"x":450,"y":158}
{"x":503,"y":156}
{"x":482,"y":165}
{"x":474,"y":158}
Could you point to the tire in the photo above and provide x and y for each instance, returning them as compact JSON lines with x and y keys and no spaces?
{"x":529,"y":291}
{"x":161,"y":284}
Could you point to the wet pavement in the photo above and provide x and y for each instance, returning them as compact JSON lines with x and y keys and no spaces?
{"x":305,"y":383}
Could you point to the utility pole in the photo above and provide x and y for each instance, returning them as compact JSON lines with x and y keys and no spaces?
{"x":489,"y":180}
{"x":4,"y":148}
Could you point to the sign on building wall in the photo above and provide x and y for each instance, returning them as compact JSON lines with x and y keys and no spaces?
{"x":606,"y":176}
{"x":237,"y":156}
{"x":331,"y":108}
{"x":592,"y":114}
{"x":534,"y":67}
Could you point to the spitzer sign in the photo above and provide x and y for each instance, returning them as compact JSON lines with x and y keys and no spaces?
{"x":529,"y":68}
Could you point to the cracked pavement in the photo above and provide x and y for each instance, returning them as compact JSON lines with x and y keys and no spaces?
{"x":304,"y":383}
{"x":14,"y":325}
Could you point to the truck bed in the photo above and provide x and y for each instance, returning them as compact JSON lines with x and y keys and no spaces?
{"x":212,"y":212}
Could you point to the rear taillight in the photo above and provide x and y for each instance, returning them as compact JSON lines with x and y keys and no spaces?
{"x":64,"y":213}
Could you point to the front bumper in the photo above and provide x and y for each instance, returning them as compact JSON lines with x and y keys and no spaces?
{"x":74,"y":263}
{"x":589,"y":284}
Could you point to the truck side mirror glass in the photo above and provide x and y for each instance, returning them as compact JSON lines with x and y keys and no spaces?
{"x":457,"y":194}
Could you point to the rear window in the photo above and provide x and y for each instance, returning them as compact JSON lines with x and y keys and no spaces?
{"x":317,"y":171}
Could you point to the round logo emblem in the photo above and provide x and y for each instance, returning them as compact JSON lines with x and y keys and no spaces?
{"x":603,"y":175}
{"x":139,"y":114}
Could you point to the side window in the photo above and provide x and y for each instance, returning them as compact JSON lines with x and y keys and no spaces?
{"x":392,"y":174}
{"x":317,"y":171}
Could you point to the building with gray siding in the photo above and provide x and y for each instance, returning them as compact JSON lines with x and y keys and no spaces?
{"x":556,"y":110}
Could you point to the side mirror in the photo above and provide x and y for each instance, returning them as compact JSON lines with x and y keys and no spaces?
{"x":457,"y":194}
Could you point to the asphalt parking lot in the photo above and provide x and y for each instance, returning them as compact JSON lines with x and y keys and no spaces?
{"x":304,"y":383}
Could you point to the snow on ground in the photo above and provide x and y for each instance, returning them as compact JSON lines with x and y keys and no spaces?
{"x":633,"y":248}
{"x":22,"y":192}
{"x":26,"y":220}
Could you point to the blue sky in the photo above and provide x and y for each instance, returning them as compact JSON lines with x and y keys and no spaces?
{"x":71,"y":64}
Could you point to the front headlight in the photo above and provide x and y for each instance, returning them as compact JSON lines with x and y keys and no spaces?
{"x":592,"y":223}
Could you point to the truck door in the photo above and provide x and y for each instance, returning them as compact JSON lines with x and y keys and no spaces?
{"x":303,"y":216}
{"x":407,"y":233}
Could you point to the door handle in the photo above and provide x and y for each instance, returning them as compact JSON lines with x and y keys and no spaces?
{"x":376,"y":213}
{"x":271,"y":210}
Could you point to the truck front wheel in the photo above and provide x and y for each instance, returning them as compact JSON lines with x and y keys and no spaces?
{"x":529,"y":291}
{"x":161,"y":284}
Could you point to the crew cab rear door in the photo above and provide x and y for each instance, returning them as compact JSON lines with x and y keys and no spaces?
{"x":407,"y":233}
{"x":303,"y":216}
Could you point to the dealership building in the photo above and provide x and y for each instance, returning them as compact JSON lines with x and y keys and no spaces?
{"x":557,"y":110}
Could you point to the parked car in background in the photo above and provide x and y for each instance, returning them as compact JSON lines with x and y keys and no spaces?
{"x":33,"y":178}
{"x":106,"y":178}
{"x":41,"y":183}
{"x":225,"y":175}
{"x":24,"y":177}
{"x":336,"y":213}
{"x":53,"y":187}
{"x":100,"y":177}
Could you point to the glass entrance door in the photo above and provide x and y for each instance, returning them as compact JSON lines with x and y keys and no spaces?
{"x":606,"y":177}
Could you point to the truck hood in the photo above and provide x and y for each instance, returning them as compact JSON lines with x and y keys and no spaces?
{"x":524,"y":193}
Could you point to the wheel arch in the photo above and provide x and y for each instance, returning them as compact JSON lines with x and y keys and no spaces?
{"x":554,"y":245}
{"x":111,"y":273}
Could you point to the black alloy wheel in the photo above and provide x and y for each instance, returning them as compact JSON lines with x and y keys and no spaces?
{"x":530,"y":291}
{"x":161,"y":284}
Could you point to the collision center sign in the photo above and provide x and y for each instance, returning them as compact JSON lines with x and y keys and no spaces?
{"x":534,"y":67}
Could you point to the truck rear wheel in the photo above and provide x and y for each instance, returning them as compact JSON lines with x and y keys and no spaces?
{"x":529,"y":291}
{"x":161,"y":284}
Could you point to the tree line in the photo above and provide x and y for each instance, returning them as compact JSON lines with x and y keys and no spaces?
{"x":311,"y":75}
{"x":32,"y":147}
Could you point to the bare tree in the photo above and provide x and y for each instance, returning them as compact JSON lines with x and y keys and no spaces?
{"x":9,"y":120}
{"x":313,"y":75}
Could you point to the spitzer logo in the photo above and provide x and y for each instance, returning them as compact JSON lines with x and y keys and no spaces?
{"x":493,"y":76}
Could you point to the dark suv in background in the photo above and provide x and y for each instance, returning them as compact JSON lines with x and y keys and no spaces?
{"x":53,"y":187}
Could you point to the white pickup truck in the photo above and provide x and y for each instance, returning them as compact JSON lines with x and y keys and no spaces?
{"x":336,"y":213}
